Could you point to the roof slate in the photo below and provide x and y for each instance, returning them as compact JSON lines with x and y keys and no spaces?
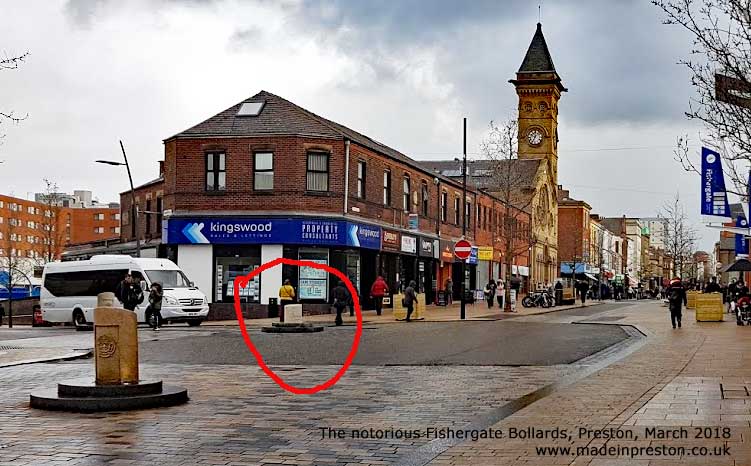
{"x":524,"y":169}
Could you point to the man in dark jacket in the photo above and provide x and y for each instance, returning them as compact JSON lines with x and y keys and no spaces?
{"x":582,"y":287}
{"x":340,"y":297}
{"x":676,"y":298}
{"x":129,"y":292}
{"x":410,"y":298}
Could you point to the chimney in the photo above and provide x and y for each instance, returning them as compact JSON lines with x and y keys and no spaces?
{"x":161,"y":168}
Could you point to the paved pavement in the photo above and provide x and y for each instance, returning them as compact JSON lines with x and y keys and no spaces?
{"x":694,"y":377}
{"x":239,"y":416}
{"x":689,"y":386}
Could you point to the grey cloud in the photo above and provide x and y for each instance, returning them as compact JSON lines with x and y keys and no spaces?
{"x":619,"y":60}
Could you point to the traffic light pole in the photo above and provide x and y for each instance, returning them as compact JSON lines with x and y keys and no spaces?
{"x":463,"y":304}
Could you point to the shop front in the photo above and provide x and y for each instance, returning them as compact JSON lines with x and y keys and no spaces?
{"x":445,"y":268}
{"x":426,"y":269}
{"x":214,"y":252}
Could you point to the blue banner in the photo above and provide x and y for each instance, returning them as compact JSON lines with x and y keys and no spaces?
{"x":714,"y":198}
{"x":741,"y":243}
{"x":271,"y":231}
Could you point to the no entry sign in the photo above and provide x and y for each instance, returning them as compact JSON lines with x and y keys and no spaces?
{"x":462,"y":249}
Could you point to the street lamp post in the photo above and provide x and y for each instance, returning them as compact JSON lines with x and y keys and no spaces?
{"x":132,"y":194}
{"x":463,"y":304}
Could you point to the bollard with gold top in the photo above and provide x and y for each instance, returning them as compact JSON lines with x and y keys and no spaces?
{"x":115,"y":342}
{"x":117,"y":385}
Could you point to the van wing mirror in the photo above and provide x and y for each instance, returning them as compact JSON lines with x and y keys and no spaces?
{"x":144,"y":285}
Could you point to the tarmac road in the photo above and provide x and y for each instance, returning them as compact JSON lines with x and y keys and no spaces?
{"x":503,"y":342}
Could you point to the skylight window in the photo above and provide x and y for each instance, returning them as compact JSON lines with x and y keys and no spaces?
{"x":250,"y":108}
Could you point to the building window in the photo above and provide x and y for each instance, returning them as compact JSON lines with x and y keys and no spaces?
{"x":318,"y":172}
{"x":30,"y":210}
{"x":216,"y":174}
{"x":148,"y":216}
{"x":387,"y":187}
{"x":263,"y":171}
{"x":406,"y":192}
{"x":468,"y":214}
{"x":425,"y":198}
{"x":98,"y":216}
{"x":361,"y":174}
{"x":98,"y":230}
{"x":456,"y":211}
{"x":115,"y":230}
{"x":444,"y":207}
{"x":115,"y":216}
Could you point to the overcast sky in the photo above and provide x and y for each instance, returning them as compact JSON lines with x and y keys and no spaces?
{"x":404,"y":72}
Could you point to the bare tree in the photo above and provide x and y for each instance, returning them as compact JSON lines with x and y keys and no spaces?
{"x":53,"y":232}
{"x":720,"y":70}
{"x":512,"y":188}
{"x":11,"y":63}
{"x":680,"y":236}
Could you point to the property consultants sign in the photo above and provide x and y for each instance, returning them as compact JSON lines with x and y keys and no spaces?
{"x":272,"y":231}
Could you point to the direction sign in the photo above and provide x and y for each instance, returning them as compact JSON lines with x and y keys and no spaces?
{"x":462,"y":249}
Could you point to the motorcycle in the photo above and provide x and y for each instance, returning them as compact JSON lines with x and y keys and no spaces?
{"x":538,"y":298}
{"x":743,"y":312}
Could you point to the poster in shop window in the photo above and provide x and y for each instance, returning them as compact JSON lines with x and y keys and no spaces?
{"x":313,"y":282}
{"x":312,"y":289}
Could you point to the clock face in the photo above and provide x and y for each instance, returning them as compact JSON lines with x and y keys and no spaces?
{"x":534,"y":137}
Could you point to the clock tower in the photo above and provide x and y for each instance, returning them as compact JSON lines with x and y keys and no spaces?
{"x":539,"y":88}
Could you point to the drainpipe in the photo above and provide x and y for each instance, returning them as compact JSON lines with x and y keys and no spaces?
{"x":346,"y":176}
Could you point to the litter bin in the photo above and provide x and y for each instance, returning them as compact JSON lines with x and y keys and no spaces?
{"x":469,"y":297}
{"x":273,"y":307}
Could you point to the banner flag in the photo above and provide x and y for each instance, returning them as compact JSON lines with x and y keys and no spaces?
{"x":741,"y":242}
{"x":714,"y":198}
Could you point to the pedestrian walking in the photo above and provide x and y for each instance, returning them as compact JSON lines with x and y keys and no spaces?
{"x":378,"y":290}
{"x":676,"y":298}
{"x":558,"y":289}
{"x":154,"y":309}
{"x":489,"y":292}
{"x":449,"y":289}
{"x":129,"y":292}
{"x":340,"y":297}
{"x":410,"y":298}
{"x":500,"y":293}
{"x":2,"y":314}
{"x":582,"y":287}
{"x":286,"y":296}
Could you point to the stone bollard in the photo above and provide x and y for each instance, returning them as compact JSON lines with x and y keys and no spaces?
{"x":115,"y":343}
{"x":293,"y":314}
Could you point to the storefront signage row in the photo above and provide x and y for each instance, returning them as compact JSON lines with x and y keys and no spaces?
{"x":270,"y":231}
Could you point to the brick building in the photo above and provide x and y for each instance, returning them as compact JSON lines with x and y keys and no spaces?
{"x":574,"y":234}
{"x":38,"y":231}
{"x":266,"y":179}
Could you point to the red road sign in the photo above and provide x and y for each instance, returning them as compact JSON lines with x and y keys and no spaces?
{"x":462,"y":249}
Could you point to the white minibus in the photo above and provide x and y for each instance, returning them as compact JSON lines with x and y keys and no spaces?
{"x":69,"y":289}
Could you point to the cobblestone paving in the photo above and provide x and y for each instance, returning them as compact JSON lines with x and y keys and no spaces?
{"x":238,"y":416}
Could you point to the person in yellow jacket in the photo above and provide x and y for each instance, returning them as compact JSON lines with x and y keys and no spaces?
{"x":286,"y":296}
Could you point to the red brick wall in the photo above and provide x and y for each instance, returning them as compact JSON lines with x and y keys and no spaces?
{"x":149,"y":224}
{"x":572,"y":232}
{"x":83,"y":223}
{"x":184,"y":185}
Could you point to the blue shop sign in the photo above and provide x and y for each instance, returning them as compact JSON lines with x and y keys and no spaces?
{"x":271,"y":231}
{"x":472,"y":259}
